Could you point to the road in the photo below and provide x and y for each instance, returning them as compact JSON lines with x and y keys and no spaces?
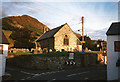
{"x":83,"y":73}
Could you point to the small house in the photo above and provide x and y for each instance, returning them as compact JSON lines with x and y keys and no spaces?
{"x":113,"y":51}
{"x":3,"y":53}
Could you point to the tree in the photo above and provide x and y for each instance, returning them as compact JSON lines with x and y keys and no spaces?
{"x":89,"y":43}
{"x":22,"y":38}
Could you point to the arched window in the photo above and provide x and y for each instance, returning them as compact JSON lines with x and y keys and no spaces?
{"x":66,"y":40}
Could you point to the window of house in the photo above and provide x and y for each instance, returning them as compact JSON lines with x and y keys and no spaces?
{"x":1,"y":49}
{"x":117,"y":46}
{"x":66,"y":40}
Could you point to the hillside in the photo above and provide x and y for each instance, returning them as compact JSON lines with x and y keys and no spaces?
{"x":14,"y":22}
{"x":14,"y":26}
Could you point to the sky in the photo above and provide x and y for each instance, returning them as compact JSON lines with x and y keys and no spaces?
{"x":98,"y":16}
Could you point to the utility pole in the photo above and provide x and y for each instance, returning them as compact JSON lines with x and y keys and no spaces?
{"x":82,"y":34}
{"x":82,"y":28}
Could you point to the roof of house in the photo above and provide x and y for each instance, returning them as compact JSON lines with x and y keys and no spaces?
{"x":50,"y":33}
{"x":114,"y":29}
{"x":4,"y":39}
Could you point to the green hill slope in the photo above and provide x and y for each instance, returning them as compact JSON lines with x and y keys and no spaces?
{"x":22,"y":29}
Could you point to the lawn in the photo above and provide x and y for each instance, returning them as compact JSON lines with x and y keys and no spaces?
{"x":20,"y":53}
{"x":94,"y":52}
{"x":54,"y":53}
{"x":67,"y":53}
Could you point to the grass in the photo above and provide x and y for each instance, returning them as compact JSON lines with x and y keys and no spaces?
{"x":54,"y":53}
{"x":20,"y":53}
{"x":67,"y":53}
{"x":89,"y":52}
{"x":94,"y":52}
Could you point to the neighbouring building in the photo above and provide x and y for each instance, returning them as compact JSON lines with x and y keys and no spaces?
{"x":61,"y":38}
{"x":113,"y":51}
{"x":104,"y":46}
{"x":3,"y":53}
{"x":104,"y":49}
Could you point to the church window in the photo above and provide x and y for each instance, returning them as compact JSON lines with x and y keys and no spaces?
{"x":66,"y":40}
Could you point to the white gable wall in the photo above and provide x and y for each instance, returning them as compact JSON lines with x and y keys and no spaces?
{"x":59,"y":37}
{"x":112,"y":57}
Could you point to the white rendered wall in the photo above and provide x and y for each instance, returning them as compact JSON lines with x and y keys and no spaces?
{"x":119,"y":57}
{"x":3,"y":59}
{"x":112,"y":57}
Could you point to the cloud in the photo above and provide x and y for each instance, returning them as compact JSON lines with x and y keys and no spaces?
{"x":4,"y":13}
{"x":99,"y":34}
{"x":60,"y":0}
{"x":34,"y":10}
{"x":6,"y":9}
{"x":48,"y":23}
{"x":97,"y":16}
{"x":16,"y":8}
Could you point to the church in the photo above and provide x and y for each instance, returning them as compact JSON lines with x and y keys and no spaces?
{"x":60,"y":39}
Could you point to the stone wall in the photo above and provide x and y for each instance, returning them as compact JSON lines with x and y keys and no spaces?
{"x":51,"y":62}
{"x":46,"y":44}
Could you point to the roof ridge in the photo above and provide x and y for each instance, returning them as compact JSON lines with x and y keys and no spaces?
{"x":57,"y":27}
{"x":51,"y":33}
{"x":114,"y":29}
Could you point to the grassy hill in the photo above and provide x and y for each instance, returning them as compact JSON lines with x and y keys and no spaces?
{"x":15,"y":24}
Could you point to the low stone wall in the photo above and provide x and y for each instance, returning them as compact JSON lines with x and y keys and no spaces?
{"x":51,"y":62}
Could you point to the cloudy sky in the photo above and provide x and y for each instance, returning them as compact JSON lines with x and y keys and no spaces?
{"x":98,"y":16}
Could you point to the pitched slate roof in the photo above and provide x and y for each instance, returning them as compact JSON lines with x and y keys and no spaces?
{"x":50,"y":33}
{"x":4,"y":39}
{"x":114,"y":29}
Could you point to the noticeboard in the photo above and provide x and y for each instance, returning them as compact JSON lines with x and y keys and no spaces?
{"x":71,"y":55}
{"x":117,"y":46}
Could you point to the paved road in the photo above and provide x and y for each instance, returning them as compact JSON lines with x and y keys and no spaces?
{"x":86,"y":73}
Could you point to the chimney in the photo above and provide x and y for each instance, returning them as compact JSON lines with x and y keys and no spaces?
{"x":45,"y":29}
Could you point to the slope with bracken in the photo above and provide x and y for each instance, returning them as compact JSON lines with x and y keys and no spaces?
{"x":12,"y":24}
